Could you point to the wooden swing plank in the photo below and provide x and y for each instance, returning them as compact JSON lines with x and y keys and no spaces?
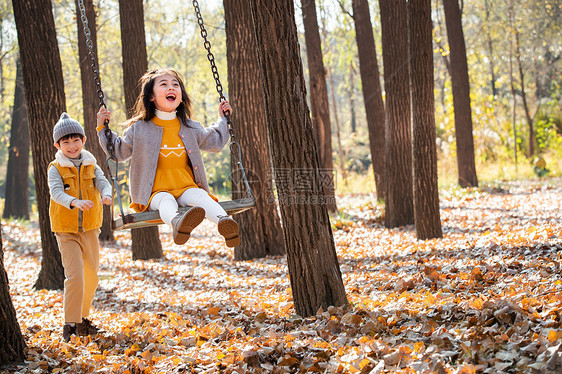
{"x":152,"y":218}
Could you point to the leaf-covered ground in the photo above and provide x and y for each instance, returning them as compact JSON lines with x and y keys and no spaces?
{"x":485,"y":298}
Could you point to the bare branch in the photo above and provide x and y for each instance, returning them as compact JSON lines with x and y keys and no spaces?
{"x":343,"y":9}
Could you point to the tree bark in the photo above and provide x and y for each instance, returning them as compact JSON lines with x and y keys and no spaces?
{"x":12,"y":344}
{"x":399,"y":206}
{"x":426,"y":192}
{"x":90,"y":102}
{"x":320,"y":106}
{"x":461,"y":95}
{"x":16,"y":203}
{"x":45,"y":98}
{"x":372,"y":91}
{"x":314,"y":271}
{"x":260,"y":228}
{"x":145,"y":242}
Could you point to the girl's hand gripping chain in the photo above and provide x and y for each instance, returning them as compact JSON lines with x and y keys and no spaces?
{"x":103,"y":115}
{"x":224,"y":108}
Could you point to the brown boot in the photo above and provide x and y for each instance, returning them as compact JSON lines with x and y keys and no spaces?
{"x":67,"y":331}
{"x":229,"y":229}
{"x":184,"y":223}
{"x":86,"y":328}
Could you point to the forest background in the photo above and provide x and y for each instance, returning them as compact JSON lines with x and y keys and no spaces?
{"x":501,"y":124}
{"x":486,"y":296}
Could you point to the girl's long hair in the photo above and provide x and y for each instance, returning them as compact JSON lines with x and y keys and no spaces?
{"x":145,"y":109}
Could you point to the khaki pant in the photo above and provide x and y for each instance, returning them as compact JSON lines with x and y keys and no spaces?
{"x":80,"y":259}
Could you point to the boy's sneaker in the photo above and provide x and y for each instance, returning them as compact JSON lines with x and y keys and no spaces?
{"x":86,"y":328}
{"x":229,"y":229}
{"x":67,"y":331}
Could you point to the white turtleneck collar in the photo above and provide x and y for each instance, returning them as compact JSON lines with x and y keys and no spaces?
{"x":166,"y":116}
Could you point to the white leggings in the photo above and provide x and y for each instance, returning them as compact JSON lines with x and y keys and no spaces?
{"x":167,"y":205}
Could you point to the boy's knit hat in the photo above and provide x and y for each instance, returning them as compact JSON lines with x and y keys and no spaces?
{"x":66,"y":126}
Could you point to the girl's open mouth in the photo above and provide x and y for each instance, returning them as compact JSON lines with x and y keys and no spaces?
{"x":170,"y":97}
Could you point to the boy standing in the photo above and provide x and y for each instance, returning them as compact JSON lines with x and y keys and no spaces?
{"x":75,"y":184}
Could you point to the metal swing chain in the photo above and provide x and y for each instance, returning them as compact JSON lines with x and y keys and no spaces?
{"x":97,"y":81}
{"x":233,"y":143}
{"x":214,"y":69}
{"x":95,"y":69}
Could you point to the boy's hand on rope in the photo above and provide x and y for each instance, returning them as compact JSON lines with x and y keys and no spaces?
{"x":82,"y":204}
{"x":103,"y":115}
{"x":106,"y":200}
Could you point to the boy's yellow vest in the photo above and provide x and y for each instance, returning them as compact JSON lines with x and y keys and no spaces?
{"x":81,"y":187}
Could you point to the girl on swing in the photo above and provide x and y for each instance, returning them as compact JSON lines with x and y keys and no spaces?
{"x":164,"y":145}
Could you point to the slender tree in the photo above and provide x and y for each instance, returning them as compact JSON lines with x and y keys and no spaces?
{"x":399,"y":206}
{"x":330,"y":78}
{"x":320,"y":106}
{"x":260,"y":228}
{"x":4,"y":13}
{"x":17,"y":175}
{"x":426,"y":193}
{"x":461,"y":95}
{"x":372,"y":92}
{"x":490,"y":45}
{"x":351,"y":93}
{"x":44,"y":94}
{"x":314,"y":271}
{"x":145,"y":242}
{"x":528,"y":116}
{"x":12,"y":344}
{"x":90,"y":101}
{"x":343,"y":171}
{"x":512,"y":86}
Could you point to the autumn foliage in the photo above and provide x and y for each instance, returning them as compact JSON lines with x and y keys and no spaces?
{"x":485,"y":298}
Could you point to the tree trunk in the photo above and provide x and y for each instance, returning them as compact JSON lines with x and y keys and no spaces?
{"x":352,"y":99}
{"x":12,"y":344}
{"x":320,"y":106}
{"x":314,"y":271}
{"x":426,"y":192}
{"x":1,"y":64}
{"x":461,"y":95}
{"x":90,"y":102}
{"x":16,"y":202}
{"x":338,"y":127}
{"x":372,"y":92}
{"x":260,"y":228}
{"x":512,"y":86}
{"x":528,"y":116}
{"x":490,"y":49}
{"x":133,"y":47}
{"x":399,"y":206}
{"x":330,"y":77}
{"x":45,"y":98}
{"x":145,"y":242}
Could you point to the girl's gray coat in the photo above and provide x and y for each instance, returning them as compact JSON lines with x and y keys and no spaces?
{"x":141,"y":144}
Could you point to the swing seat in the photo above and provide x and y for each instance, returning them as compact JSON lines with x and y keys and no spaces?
{"x":152,"y":217}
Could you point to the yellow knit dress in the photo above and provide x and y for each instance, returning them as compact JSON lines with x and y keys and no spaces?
{"x":173,"y":173}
